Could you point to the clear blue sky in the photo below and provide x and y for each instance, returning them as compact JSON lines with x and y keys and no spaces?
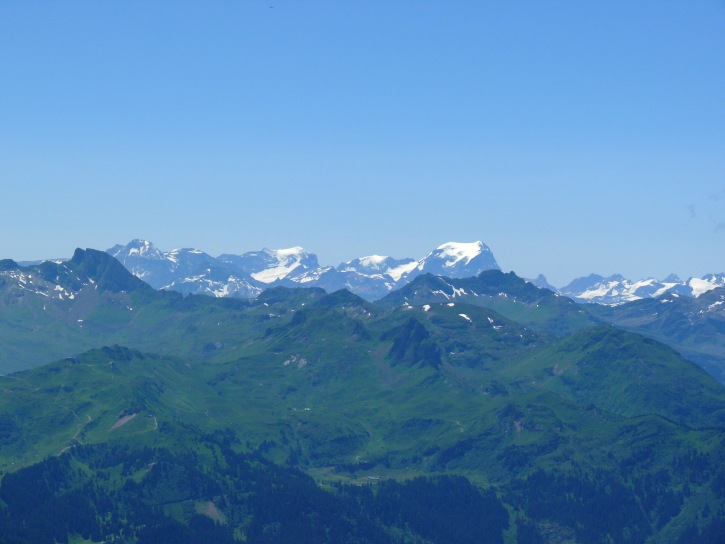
{"x":571,"y":137}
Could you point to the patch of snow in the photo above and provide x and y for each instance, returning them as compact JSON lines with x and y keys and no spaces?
{"x":173,"y":256}
{"x":464,"y":316}
{"x":426,"y":307}
{"x":601,"y":290}
{"x":399,"y":271}
{"x":312,"y":275}
{"x":700,"y":286}
{"x":295,"y":359}
{"x":451,"y":304}
{"x":662,"y":290}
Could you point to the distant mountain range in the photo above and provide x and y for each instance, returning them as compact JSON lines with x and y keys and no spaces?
{"x":247,"y":275}
{"x":616,"y":289}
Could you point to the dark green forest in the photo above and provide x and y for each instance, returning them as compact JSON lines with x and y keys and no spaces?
{"x":153,"y":496}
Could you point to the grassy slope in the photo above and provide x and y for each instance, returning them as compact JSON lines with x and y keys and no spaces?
{"x":693,"y":326}
{"x":624,"y":374}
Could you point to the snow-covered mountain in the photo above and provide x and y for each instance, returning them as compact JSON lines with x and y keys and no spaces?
{"x":457,"y":260}
{"x":158,"y":268}
{"x":188,"y":271}
{"x":246,"y":275}
{"x":616,"y":289}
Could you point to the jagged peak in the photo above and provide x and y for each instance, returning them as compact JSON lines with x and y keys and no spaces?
{"x":136,"y":248}
{"x":106,"y":271}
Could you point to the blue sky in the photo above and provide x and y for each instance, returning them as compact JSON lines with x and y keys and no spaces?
{"x":571,"y":137}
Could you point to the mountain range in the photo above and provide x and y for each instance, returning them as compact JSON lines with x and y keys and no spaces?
{"x":247,"y":275}
{"x":372,"y":277}
{"x":616,"y":289}
{"x":470,"y":409}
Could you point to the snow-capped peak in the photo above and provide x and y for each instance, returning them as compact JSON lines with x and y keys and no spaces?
{"x":136,"y":248}
{"x":373,"y":260}
{"x":459,"y":259}
{"x":145,"y":246}
{"x":454,"y":252}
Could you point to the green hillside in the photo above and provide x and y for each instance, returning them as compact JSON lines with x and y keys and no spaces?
{"x":626,"y":374}
{"x":693,"y":326}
